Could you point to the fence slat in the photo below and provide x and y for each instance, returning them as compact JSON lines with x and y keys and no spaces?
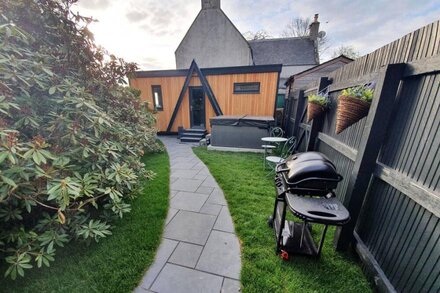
{"x":424,"y":197}
{"x":423,"y":66}
{"x":344,"y":149}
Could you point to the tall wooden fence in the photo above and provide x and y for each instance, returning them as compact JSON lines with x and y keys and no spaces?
{"x":390,"y":160}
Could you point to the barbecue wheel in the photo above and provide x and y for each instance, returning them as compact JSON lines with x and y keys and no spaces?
{"x":270,"y":222}
{"x":284,"y":255}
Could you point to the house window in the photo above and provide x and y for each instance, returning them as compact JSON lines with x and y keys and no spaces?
{"x":157,"y":97}
{"x":246,"y":88}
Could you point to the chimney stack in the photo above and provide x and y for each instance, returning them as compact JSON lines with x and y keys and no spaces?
{"x":314,"y":28}
{"x":210,"y":4}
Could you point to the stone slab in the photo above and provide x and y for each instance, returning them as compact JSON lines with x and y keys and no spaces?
{"x":186,"y":254}
{"x":184,"y":173}
{"x":204,"y":190}
{"x":188,"y":201}
{"x":200,"y":176}
{"x":173,"y":193}
{"x":204,"y":171}
{"x":189,"y":185}
{"x":199,"y":166}
{"x":230,"y":286}
{"x":221,"y":255}
{"x":224,"y":221}
{"x":190,"y":227}
{"x":183,"y":165}
{"x":210,"y":182}
{"x":171,"y":213}
{"x":217,"y":197}
{"x":210,"y":209}
{"x":165,"y":250}
{"x":177,"y":279}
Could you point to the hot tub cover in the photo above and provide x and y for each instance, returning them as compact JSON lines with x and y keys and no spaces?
{"x":244,"y":120}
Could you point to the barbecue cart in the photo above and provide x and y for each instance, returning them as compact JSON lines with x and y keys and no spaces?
{"x":304,"y":185}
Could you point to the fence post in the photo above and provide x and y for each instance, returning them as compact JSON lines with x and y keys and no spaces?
{"x":299,"y":108}
{"x":317,"y":123}
{"x":287,"y":111}
{"x":381,"y":110}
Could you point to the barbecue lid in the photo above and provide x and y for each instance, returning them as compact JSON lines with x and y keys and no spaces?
{"x":310,"y":165}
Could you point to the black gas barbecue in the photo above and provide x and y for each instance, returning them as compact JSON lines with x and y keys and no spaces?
{"x":304,"y":183}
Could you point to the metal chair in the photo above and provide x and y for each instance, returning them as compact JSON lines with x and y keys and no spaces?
{"x":286,"y":151}
{"x":274,"y":132}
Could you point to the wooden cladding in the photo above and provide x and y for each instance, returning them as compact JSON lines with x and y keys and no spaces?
{"x":222,"y":85}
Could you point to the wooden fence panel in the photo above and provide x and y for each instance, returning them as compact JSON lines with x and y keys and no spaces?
{"x":403,"y":237}
{"x":398,"y":232}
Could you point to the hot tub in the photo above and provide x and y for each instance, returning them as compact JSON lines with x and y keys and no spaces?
{"x":240,"y":131}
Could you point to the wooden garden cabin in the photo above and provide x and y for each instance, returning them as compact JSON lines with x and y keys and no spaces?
{"x":189,"y":97}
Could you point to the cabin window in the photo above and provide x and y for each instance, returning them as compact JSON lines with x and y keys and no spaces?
{"x":157,"y":97}
{"x":246,"y":87}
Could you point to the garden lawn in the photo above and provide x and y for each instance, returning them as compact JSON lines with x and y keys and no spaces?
{"x":250,"y":195}
{"x":118,"y":262}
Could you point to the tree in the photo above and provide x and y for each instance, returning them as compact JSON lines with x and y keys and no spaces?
{"x":258,"y":35}
{"x":348,"y":51}
{"x":71,"y":136}
{"x":299,"y":27}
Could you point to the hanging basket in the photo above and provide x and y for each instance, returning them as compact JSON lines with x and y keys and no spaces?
{"x":314,"y":110}
{"x":350,"y":110}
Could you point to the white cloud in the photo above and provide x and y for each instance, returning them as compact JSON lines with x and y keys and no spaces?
{"x":148,"y":31}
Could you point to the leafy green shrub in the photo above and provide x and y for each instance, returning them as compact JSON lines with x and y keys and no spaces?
{"x":323,"y":101}
{"x":71,"y":136}
{"x":361,"y":92}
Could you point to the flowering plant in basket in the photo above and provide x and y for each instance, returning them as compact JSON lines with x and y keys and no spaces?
{"x":316,"y":106}
{"x":353,"y":105}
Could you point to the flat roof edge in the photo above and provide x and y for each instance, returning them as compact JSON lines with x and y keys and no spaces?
{"x":212,"y":71}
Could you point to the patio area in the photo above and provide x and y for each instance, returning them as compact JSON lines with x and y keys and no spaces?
{"x":200,"y":251}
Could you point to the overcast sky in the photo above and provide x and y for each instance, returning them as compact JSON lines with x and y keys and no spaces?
{"x":148,"y":31}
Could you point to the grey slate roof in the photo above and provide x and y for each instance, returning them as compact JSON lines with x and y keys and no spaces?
{"x":286,"y":51}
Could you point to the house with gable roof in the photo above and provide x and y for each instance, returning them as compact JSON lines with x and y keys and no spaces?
{"x":219,"y":72}
{"x":213,"y":41}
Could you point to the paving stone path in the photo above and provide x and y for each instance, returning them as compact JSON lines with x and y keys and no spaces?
{"x":199,"y":251}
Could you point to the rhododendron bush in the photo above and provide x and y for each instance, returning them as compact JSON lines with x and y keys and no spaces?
{"x":71,"y":136}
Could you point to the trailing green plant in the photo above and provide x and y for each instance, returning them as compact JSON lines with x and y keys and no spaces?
{"x":321,"y":100}
{"x":71,"y":136}
{"x":361,"y":92}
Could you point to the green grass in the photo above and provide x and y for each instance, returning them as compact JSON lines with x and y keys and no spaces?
{"x":117,"y":263}
{"x":250,"y":195}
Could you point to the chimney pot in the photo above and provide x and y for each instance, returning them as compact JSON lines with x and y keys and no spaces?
{"x":210,"y":4}
{"x":314,"y":28}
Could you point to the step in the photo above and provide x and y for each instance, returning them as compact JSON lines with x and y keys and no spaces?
{"x":194,"y":130}
{"x":193,"y":134}
{"x":190,"y":139}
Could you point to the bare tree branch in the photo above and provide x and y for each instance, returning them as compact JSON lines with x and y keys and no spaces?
{"x":348,"y":51}
{"x":299,"y":27}
{"x":258,"y":35}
